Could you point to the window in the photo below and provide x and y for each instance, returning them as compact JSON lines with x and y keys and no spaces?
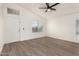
{"x":37,"y":26}
{"x":12,"y":11}
{"x":77,"y":27}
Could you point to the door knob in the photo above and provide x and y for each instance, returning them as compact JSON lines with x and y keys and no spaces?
{"x":23,"y":28}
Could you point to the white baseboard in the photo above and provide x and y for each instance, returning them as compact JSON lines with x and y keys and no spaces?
{"x":75,"y":41}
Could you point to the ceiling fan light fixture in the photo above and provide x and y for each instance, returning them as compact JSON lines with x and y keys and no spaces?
{"x":48,"y":10}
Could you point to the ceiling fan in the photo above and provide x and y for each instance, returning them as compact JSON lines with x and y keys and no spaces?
{"x":48,"y":7}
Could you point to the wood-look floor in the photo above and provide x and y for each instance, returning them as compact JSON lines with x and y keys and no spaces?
{"x":41,"y":47}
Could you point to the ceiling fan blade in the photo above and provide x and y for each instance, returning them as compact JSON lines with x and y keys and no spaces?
{"x":47,"y":4}
{"x":54,"y":5}
{"x":43,"y":8}
{"x":52,"y":8}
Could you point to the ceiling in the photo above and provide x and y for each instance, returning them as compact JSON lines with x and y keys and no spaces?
{"x":61,"y":9}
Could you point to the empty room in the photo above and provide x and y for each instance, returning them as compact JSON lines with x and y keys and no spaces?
{"x":39,"y":29}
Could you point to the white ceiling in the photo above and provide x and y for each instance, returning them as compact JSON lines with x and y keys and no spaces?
{"x":61,"y":9}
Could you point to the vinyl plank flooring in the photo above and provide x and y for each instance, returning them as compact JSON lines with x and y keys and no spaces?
{"x":44,"y":46}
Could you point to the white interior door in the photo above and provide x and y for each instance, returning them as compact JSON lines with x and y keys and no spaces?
{"x":25,"y":27}
{"x":12,"y":28}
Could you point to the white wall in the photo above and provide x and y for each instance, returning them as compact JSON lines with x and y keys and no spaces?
{"x":26,"y":18}
{"x":63,"y":27}
{"x":26,"y":21}
{"x":1,"y":28}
